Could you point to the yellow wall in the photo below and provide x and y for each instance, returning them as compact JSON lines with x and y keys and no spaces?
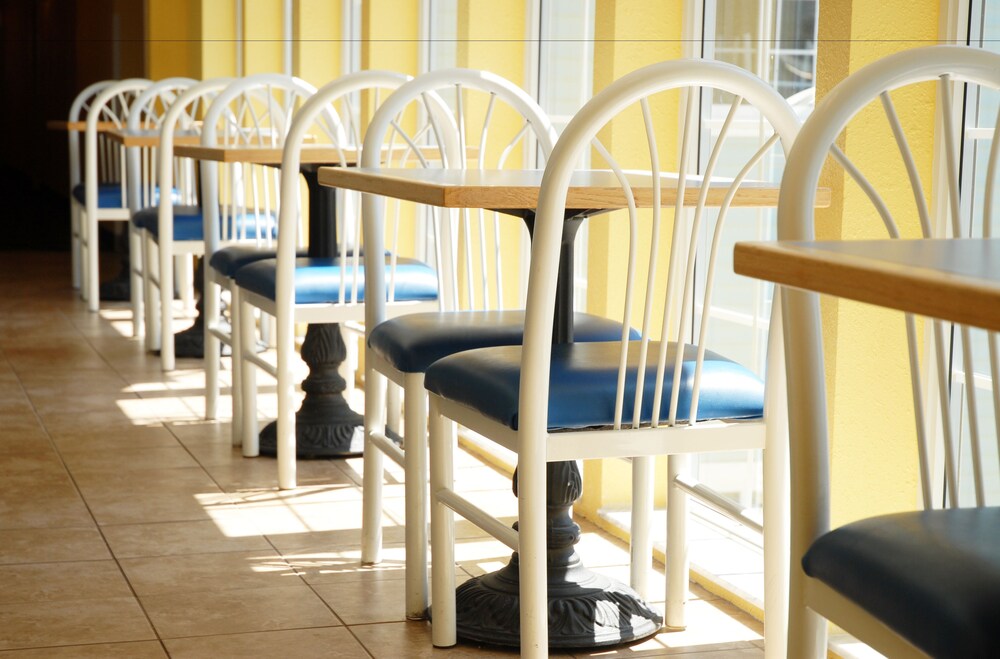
{"x":871,"y":431}
{"x":317,"y":49}
{"x":216,"y":52}
{"x":262,"y":34}
{"x":171,"y":39}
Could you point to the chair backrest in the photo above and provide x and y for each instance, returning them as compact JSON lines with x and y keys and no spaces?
{"x":147,"y":113}
{"x":81,"y":106}
{"x":455,"y":119}
{"x":185,"y":112}
{"x":333,"y":114}
{"x":943,"y":358}
{"x":112,"y":104}
{"x":657,"y":297}
{"x":255,"y":111}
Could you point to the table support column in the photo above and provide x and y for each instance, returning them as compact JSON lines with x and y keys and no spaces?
{"x":585,"y":609}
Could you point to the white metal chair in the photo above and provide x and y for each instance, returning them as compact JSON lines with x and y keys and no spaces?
{"x":294,"y":288}
{"x":924,"y":582}
{"x":473,"y":312}
{"x":663,"y":394}
{"x":242,"y":201}
{"x":171,"y":231}
{"x":147,"y":114}
{"x":103,"y":194}
{"x":81,"y":105}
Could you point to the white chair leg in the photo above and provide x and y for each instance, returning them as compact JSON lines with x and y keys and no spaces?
{"x":677,"y":547}
{"x":212,"y":349}
{"x":532,"y":555}
{"x":247,"y":373}
{"x":806,"y":630}
{"x":238,"y":365}
{"x":442,"y":447}
{"x":136,"y":276}
{"x":394,"y":409}
{"x":641,"y":548}
{"x":164,"y":297}
{"x":348,"y":368}
{"x":371,"y":504}
{"x":285,"y":442}
{"x":74,"y":239}
{"x":155,"y":322}
{"x":91,"y":265}
{"x":415,"y":458}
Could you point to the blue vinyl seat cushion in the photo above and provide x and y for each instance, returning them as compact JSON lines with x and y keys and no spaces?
{"x":233,"y":257}
{"x":188,"y":222}
{"x":932,"y":576}
{"x":317,"y":280}
{"x":109,"y":195}
{"x":413,"y":342}
{"x":583,"y":381}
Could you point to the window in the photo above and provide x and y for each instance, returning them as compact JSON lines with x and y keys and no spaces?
{"x":776,"y":41}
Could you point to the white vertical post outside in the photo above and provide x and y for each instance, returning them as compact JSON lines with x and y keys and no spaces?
{"x":287,"y":36}
{"x":239,"y":38}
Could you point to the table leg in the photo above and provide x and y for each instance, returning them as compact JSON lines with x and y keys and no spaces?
{"x":585,"y":609}
{"x":325,"y":426}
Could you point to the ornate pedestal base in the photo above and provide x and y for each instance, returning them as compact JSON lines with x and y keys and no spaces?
{"x":585,"y":609}
{"x":325,"y":426}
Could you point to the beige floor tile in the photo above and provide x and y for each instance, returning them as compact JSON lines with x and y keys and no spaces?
{"x":413,"y":640}
{"x":40,"y":624}
{"x":228,"y":531}
{"x":380,"y":600}
{"x":51,"y":545}
{"x":236,"y":611}
{"x":76,"y":580}
{"x":162,"y":505}
{"x":198,"y":572}
{"x":332,"y":642}
{"x":136,"y":650}
{"x":113,"y":438}
{"x":166,"y":457}
{"x":42,"y":508}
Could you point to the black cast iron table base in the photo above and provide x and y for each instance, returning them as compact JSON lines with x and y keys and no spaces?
{"x":325,"y":426}
{"x":586,"y":609}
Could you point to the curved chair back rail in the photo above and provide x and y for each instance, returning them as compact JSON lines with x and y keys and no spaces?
{"x":832,"y":578}
{"x":658,"y":393}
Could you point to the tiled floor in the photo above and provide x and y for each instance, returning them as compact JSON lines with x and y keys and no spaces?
{"x":129,"y":527}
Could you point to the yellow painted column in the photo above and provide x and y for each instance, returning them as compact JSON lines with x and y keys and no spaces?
{"x":171,"y":39}
{"x":869,"y":398}
{"x":317,"y":30}
{"x":216,"y":52}
{"x":262,"y":35}
{"x":390,"y":35}
{"x":629,"y":34}
{"x":492,"y":36}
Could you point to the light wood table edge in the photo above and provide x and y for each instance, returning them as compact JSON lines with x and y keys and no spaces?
{"x":922,"y":291}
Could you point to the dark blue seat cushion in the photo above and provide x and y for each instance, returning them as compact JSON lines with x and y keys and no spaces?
{"x":109,"y":195}
{"x":230,"y":259}
{"x":318,"y":280}
{"x":932,"y":576}
{"x":188,"y":222}
{"x":583,"y":381}
{"x":413,"y":342}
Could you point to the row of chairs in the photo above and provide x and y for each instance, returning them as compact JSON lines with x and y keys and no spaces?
{"x":615,"y":391}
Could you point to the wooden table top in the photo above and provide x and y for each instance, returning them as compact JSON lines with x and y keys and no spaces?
{"x":264,"y":155}
{"x":518,"y":189}
{"x":955,"y":280}
{"x":151,"y":138}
